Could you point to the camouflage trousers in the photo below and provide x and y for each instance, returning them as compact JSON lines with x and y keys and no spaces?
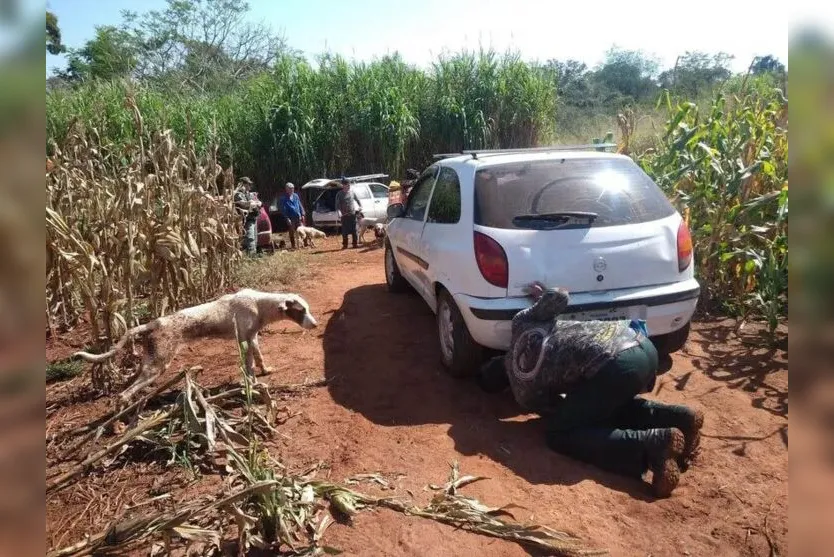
{"x":250,"y":237}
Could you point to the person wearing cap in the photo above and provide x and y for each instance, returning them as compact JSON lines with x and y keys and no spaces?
{"x":249,"y":207}
{"x":348,"y":206}
{"x":293,"y":211}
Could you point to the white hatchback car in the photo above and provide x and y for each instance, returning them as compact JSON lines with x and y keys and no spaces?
{"x":479,"y":227}
{"x":373,"y":197}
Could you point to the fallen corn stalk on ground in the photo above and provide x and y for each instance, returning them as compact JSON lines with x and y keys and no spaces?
{"x":263,"y":505}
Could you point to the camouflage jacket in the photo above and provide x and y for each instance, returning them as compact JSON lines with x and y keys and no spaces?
{"x":246,"y":203}
{"x":548,"y":356}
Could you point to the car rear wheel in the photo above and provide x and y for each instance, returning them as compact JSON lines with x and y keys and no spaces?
{"x":671,"y":342}
{"x":460,"y":354}
{"x":393,"y":279}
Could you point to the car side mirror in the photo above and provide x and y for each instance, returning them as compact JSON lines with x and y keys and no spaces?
{"x":396,"y":210}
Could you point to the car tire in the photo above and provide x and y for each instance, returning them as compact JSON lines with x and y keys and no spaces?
{"x":393,"y":279}
{"x":671,"y":342}
{"x":459,"y":353}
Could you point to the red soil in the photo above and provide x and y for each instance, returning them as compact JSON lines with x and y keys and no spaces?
{"x":390,"y":408}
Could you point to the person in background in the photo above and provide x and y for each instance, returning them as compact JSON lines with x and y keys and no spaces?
{"x":348,"y":206}
{"x":584,"y":378}
{"x":292,"y":210}
{"x":408,"y":183}
{"x":248,"y":205}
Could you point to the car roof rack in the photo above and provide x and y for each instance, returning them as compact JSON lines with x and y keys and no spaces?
{"x":364,"y":177}
{"x":475,"y":152}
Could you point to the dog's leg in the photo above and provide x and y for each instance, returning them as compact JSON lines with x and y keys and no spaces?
{"x":259,"y":357}
{"x":159,"y":350}
{"x":147,"y":375}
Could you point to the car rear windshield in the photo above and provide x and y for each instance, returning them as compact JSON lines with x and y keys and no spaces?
{"x":327,"y":200}
{"x":567,"y":193}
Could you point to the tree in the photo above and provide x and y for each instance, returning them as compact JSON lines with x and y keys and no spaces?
{"x":696,"y":72}
{"x":53,"y":35}
{"x":571,"y":82}
{"x":767,"y":64}
{"x":203,"y":44}
{"x":628,"y":74}
{"x":197,"y":44}
{"x":112,"y":54}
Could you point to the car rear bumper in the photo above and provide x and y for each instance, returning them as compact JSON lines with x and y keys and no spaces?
{"x":665,"y":308}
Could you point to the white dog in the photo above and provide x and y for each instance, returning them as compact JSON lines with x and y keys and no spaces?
{"x":368,"y":224}
{"x":307,"y":234}
{"x":246,"y":310}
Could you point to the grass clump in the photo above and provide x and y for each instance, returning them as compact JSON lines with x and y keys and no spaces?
{"x":62,"y":370}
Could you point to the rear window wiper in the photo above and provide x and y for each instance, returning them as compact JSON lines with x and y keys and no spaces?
{"x":560,"y":217}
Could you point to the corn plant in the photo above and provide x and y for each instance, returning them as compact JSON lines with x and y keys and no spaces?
{"x":727,"y":170}
{"x":142,"y":227}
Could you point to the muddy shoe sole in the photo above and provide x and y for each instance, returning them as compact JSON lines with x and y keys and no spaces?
{"x":665,"y":471}
{"x":693,"y":440}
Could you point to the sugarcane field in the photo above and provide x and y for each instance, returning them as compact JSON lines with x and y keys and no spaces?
{"x":403,"y":295}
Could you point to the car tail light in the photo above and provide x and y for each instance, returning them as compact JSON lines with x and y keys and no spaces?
{"x":684,"y":246}
{"x":492,"y":260}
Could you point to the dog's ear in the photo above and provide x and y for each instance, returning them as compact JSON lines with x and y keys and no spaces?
{"x":290,"y":302}
{"x":298,"y":311}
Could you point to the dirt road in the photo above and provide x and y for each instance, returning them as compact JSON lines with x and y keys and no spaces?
{"x":390,"y":408}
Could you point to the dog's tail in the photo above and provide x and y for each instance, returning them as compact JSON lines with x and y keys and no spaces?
{"x":96,"y":358}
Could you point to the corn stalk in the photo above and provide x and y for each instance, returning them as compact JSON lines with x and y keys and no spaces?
{"x":727,"y":170}
{"x":134,"y":229}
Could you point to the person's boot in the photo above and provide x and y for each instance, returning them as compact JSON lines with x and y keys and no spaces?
{"x":642,"y":413}
{"x":663,"y":446}
{"x":686,"y":419}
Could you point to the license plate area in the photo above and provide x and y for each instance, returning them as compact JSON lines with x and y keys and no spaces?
{"x":606,"y":314}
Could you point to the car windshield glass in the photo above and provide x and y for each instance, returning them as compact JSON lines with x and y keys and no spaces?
{"x":567,"y":193}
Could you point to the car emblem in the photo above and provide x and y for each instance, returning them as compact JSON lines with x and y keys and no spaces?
{"x":600,"y":264}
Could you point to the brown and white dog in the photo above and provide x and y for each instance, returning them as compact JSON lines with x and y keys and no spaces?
{"x":246,"y":310}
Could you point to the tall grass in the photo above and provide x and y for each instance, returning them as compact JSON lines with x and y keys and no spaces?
{"x":302,"y":121}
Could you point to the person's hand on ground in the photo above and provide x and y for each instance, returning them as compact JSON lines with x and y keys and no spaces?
{"x":492,"y":377}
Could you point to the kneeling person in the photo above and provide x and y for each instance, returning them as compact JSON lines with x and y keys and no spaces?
{"x":583,"y":378}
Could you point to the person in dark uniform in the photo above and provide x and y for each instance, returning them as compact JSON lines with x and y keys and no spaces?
{"x":249,"y":206}
{"x":584,"y":378}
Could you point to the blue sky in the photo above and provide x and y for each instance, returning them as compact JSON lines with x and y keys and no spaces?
{"x":539,"y":29}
